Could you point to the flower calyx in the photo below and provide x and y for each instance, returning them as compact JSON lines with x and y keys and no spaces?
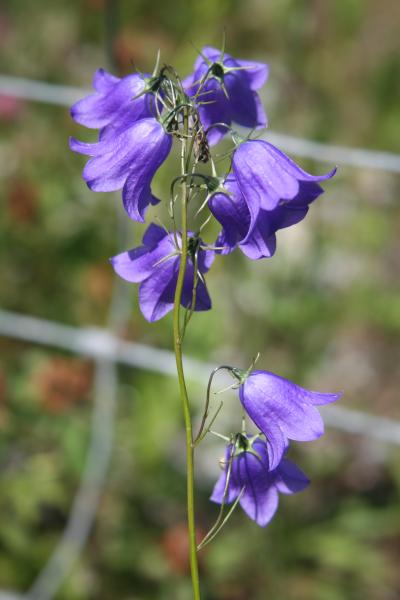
{"x":194,"y":243}
{"x":217,"y":70}
{"x":244,"y":443}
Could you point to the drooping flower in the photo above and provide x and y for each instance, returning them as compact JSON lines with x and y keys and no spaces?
{"x":127,"y":160}
{"x":251,"y":476}
{"x":155,"y":266}
{"x":282,"y":410}
{"x":230,"y":92}
{"x":267,"y":192}
{"x":116,"y":104}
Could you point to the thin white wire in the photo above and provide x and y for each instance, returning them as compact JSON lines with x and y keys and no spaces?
{"x":101,"y":344}
{"x":63,"y":95}
{"x":336,"y":155}
{"x":40,"y":91}
{"x":87,"y":498}
{"x":96,"y":343}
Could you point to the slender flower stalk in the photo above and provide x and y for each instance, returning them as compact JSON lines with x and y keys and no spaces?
{"x":178,"y":341}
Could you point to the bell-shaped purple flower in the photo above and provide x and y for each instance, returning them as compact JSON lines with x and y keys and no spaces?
{"x":282,"y":410}
{"x":267,"y":192}
{"x":268,"y":178}
{"x":155,"y":266}
{"x":229,"y":94}
{"x":259,"y":485}
{"x":129,"y":161}
{"x":116,"y":104}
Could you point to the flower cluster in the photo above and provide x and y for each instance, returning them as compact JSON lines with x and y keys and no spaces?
{"x":138,"y":118}
{"x":255,"y":470}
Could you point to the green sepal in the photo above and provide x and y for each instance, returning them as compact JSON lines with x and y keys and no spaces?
{"x":242,"y":444}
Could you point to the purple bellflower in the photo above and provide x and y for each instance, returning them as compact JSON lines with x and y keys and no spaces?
{"x":155,"y":266}
{"x":282,"y":410}
{"x":127,"y":160}
{"x":116,"y":104}
{"x":267,"y":192}
{"x":229,"y":94}
{"x":251,"y":478}
{"x":267,"y":177}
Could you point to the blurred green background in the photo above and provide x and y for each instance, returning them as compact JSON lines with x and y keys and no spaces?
{"x":324,"y":312}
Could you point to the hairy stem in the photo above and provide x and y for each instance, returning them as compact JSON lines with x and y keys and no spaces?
{"x":178,"y":339}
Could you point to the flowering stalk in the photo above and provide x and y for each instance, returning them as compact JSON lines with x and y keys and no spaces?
{"x":263,"y":191}
{"x":178,"y":340}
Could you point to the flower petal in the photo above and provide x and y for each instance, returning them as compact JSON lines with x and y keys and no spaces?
{"x":127,"y":160}
{"x":108,"y":170}
{"x":260,"y":177}
{"x":258,"y":486}
{"x":219,"y":489}
{"x":153,"y":235}
{"x":190,"y":85}
{"x":242,"y":104}
{"x":255,"y":72}
{"x":277,"y":444}
{"x":273,"y":402}
{"x":156,"y":294}
{"x":152,"y":148}
{"x":118,"y":100}
{"x":217,"y":111}
{"x":205,"y":260}
{"x":267,"y":177}
{"x":233,"y":214}
{"x":213,"y":55}
{"x":282,"y":161}
{"x":132,"y":265}
{"x":103,"y":81}
{"x":317,"y":398}
{"x":260,"y":505}
{"x":89,"y":149}
{"x":289,"y":478}
{"x":155,"y":265}
{"x":246,"y":107}
{"x":260,"y":242}
{"x":260,"y":498}
{"x":138,"y":264}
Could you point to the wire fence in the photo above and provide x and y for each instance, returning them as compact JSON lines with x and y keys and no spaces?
{"x":107,"y":349}
{"x":102,"y":345}
{"x":63,"y":95}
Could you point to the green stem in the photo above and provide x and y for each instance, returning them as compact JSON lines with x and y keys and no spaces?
{"x":178,"y":339}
